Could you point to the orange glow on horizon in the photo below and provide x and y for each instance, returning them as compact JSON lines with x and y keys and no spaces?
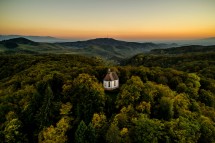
{"x":63,"y":33}
{"x":133,"y":21}
{"x":115,"y":19}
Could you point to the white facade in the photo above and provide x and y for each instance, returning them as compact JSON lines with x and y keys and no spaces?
{"x":111,"y":81}
{"x":111,"y":84}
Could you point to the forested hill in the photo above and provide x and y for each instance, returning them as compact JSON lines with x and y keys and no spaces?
{"x":185,"y":49}
{"x":60,"y":98}
{"x":19,"y":40}
{"x":111,"y":48}
{"x":115,"y":43}
{"x":45,"y":39}
{"x":25,"y":46}
{"x":16,"y":64}
{"x":106,"y":48}
{"x":186,"y":62}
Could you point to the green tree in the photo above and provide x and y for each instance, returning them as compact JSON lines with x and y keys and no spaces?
{"x":88,"y":96}
{"x":181,"y":88}
{"x":13,"y":129}
{"x":193,"y":84}
{"x":113,"y":134}
{"x":175,"y":81}
{"x":181,"y":104}
{"x":85,"y":134}
{"x":207,"y":97}
{"x":123,"y":118}
{"x":55,"y":134}
{"x":124,"y":135}
{"x":144,"y":107}
{"x":183,"y":130}
{"x":207,"y":130}
{"x":146,"y":130}
{"x":80,"y":133}
{"x":99,"y":122}
{"x":44,"y":113}
{"x":149,"y":92}
{"x":130,"y":92}
{"x":58,"y":134}
{"x":90,"y":134}
{"x":166,"y":108}
{"x":66,"y":108}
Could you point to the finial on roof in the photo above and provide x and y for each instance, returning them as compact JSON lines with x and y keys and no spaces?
{"x":108,"y":70}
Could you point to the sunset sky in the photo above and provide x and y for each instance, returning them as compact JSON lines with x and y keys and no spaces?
{"x":122,"y":19}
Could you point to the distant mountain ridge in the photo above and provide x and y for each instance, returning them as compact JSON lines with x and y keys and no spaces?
{"x":104,"y":47}
{"x":112,"y":48}
{"x":47,"y":39}
{"x":107,"y":48}
{"x":14,"y":43}
{"x":204,"y":42}
{"x":20,"y":40}
{"x":116,"y":43}
{"x":25,"y":46}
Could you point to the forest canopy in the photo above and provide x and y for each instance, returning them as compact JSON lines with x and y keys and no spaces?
{"x":60,"y":98}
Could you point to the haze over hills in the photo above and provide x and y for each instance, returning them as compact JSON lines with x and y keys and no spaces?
{"x":107,"y":48}
{"x":26,"y":46}
{"x":104,"y":47}
{"x":111,"y":48}
{"x":205,"y":41}
{"x":47,"y":39}
{"x":114,"y":42}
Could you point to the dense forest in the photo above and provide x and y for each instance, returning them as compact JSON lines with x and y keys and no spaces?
{"x":185,"y":49}
{"x":60,"y":98}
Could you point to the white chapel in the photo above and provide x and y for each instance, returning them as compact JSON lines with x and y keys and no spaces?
{"x":111,"y":80}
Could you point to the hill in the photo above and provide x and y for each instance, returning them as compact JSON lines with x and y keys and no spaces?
{"x":104,"y":47}
{"x":191,"y":62}
{"x":110,"y":48}
{"x":114,"y":43}
{"x":25,"y":46}
{"x":185,"y":49}
{"x":47,"y":39}
{"x":205,"y":41}
{"x":19,"y":40}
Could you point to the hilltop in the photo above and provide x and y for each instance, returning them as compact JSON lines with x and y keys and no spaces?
{"x":147,"y":46}
{"x":19,"y":40}
{"x":47,"y":39}
{"x":25,"y":46}
{"x":111,"y":48}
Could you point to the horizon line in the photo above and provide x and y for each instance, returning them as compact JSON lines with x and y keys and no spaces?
{"x":110,"y":37}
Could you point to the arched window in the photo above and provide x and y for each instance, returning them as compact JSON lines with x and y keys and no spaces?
{"x":109,"y":84}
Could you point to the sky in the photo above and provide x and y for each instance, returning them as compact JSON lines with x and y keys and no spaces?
{"x":120,"y":19}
